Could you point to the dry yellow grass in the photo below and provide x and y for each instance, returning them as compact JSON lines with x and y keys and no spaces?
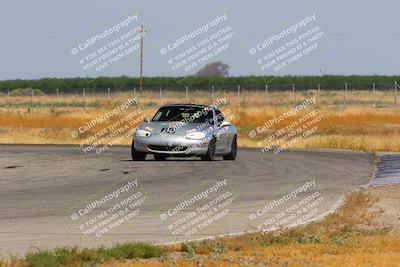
{"x":358,"y":127}
{"x":349,"y":237}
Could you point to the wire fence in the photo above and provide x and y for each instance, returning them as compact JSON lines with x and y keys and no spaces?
{"x":373,"y":95}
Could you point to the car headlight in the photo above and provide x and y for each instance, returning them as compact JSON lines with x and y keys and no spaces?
{"x":195,"y":135}
{"x":142,"y":133}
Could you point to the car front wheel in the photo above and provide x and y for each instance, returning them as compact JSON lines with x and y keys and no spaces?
{"x":210,"y":155}
{"x":232,"y":154}
{"x":136,"y":155}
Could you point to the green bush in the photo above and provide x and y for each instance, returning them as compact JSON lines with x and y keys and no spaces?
{"x":189,"y":251}
{"x":131,"y":251}
{"x":42,"y":259}
{"x":218,"y":250}
{"x":305,"y":239}
{"x":26,"y":92}
{"x":276,"y":239}
{"x":76,"y":257}
{"x":338,"y":240}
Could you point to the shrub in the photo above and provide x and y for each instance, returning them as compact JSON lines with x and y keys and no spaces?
{"x":26,"y":92}
{"x":74,"y":256}
{"x":305,"y":239}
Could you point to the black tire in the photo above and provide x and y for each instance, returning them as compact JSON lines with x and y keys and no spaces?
{"x":136,"y":155}
{"x":233,"y":153}
{"x":210,"y":155}
{"x":159,"y":157}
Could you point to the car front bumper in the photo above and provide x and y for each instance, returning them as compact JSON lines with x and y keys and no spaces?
{"x":170,"y":144}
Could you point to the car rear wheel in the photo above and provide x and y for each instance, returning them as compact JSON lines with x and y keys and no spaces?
{"x":232,"y":154}
{"x":136,"y":155}
{"x":210,"y":155}
{"x":159,"y":157}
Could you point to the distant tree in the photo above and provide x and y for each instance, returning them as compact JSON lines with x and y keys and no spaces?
{"x":215,"y":69}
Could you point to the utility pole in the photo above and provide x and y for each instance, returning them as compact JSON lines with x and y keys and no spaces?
{"x":141,"y":57}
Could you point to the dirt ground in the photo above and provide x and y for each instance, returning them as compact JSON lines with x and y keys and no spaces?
{"x":389,"y":201}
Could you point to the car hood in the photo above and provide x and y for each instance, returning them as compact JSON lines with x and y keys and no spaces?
{"x":178,"y":127}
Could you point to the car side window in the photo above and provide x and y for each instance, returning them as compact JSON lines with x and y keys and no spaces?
{"x":220,"y":117}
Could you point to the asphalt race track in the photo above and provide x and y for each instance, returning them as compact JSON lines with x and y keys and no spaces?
{"x":51,"y":195}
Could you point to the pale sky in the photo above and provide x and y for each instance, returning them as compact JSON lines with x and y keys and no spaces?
{"x":36,"y":37}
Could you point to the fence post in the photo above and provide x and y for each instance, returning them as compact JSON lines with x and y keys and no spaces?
{"x":134,"y":94}
{"x":8,"y":98}
{"x":84,"y":99}
{"x":345,"y":94}
{"x":108,"y":93}
{"x":395,"y":93}
{"x":32,"y":94}
{"x":373,"y":94}
{"x":57,"y":92}
{"x":294,"y":95}
{"x":238,"y":90}
{"x":212,"y":91}
{"x":266,"y":93}
{"x":187,"y":92}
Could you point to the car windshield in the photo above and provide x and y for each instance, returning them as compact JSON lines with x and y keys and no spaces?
{"x":187,"y":114}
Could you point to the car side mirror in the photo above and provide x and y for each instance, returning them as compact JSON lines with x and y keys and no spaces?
{"x":225,"y":123}
{"x":146,"y":119}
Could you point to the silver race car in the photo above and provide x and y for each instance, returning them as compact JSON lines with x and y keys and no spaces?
{"x":182,"y":130}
